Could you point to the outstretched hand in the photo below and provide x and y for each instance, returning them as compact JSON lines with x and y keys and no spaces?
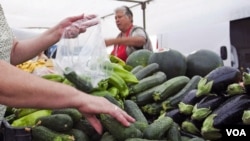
{"x":103,"y":106}
{"x":80,"y":26}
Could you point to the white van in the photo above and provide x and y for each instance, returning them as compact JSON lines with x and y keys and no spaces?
{"x":231,"y":40}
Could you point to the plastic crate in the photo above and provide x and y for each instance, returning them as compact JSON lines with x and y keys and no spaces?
{"x":9,"y":133}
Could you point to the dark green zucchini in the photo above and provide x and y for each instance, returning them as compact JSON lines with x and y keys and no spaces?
{"x":136,"y":69}
{"x":148,"y":82}
{"x":173,"y":101}
{"x":144,"y":97}
{"x":206,"y":106}
{"x":147,"y":71}
{"x":170,"y":87}
{"x":154,"y":108}
{"x":222,"y":77}
{"x":227,"y":113}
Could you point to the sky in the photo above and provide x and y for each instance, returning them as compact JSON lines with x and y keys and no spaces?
{"x":161,"y":15}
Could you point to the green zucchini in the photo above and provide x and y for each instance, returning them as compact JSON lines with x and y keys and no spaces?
{"x":144,"y":97}
{"x":133,"y":110}
{"x":56,"y":122}
{"x":119,"y":131}
{"x":173,"y":101}
{"x":154,"y":108}
{"x":136,"y":69}
{"x":147,"y":71}
{"x":158,"y":128}
{"x":170,"y":87}
{"x":148,"y":82}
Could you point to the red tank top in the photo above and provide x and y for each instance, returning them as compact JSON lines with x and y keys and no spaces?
{"x":120,"y":50}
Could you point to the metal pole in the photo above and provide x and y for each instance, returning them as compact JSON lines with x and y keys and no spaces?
{"x":143,"y":6}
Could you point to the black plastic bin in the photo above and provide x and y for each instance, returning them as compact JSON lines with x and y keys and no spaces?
{"x":9,"y":133}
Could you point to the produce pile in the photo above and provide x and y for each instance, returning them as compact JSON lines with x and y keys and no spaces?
{"x":167,"y":102}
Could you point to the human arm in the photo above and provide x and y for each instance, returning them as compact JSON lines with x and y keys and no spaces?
{"x":24,"y":50}
{"x":21,"y":89}
{"x":137,"y":41}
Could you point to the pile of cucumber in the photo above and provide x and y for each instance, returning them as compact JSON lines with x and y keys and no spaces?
{"x":175,"y":109}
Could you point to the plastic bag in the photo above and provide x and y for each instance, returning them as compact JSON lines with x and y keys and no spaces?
{"x":86,"y":54}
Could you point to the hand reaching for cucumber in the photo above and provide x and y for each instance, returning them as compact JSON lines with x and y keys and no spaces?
{"x":100,"y":105}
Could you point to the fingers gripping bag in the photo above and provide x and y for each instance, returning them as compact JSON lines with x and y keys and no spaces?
{"x":83,"y":58}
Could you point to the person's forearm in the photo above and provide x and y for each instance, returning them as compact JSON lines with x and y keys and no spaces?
{"x":128,"y":41}
{"x":32,"y":91}
{"x":27,"y":49}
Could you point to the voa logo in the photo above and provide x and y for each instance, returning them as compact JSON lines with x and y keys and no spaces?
{"x":236,"y":132}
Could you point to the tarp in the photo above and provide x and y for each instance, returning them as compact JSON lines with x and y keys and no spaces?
{"x":161,"y":15}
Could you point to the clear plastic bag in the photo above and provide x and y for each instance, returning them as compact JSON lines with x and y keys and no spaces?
{"x":86,"y":53}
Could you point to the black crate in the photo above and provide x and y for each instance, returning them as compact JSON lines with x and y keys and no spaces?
{"x":9,"y":133}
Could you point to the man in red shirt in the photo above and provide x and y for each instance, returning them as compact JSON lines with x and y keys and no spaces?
{"x":130,"y":38}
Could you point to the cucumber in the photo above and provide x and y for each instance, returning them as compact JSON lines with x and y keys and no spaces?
{"x":107,"y":137}
{"x":119,"y":131}
{"x":158,"y":128}
{"x":78,"y":135}
{"x":56,"y":122}
{"x":170,"y":87}
{"x":86,"y":127}
{"x":147,"y":71}
{"x":82,"y":83}
{"x":72,"y":112}
{"x":173,"y":101}
{"x":42,"y":133}
{"x":173,"y":134}
{"x":133,"y":110}
{"x":148,"y":82}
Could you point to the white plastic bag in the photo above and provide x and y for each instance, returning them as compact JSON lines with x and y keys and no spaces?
{"x":86,"y":54}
